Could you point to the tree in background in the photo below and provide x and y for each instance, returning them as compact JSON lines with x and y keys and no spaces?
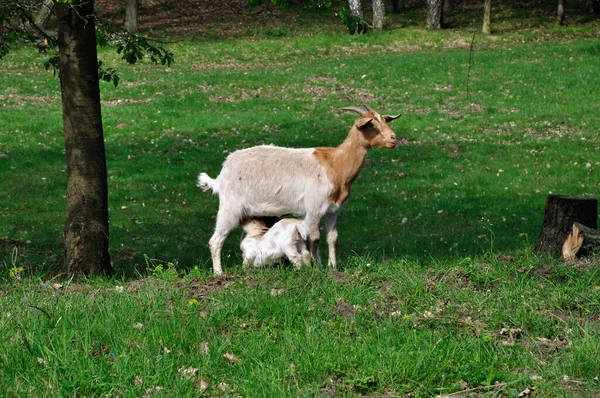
{"x":434,"y":14}
{"x":397,"y":5}
{"x":44,"y":13}
{"x":131,"y":13}
{"x":378,"y":14}
{"x":447,"y":6}
{"x":560,"y":14}
{"x":355,"y":7}
{"x":487,"y":17}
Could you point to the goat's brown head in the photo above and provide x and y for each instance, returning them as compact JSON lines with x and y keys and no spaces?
{"x":374,"y":127}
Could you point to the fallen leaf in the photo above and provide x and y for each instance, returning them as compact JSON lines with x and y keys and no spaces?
{"x":137,"y":381}
{"x":201,"y":384}
{"x":526,"y":392}
{"x":40,"y":361}
{"x":231,"y":358}
{"x":511,"y":333}
{"x":277,"y":292}
{"x":151,"y":390}
{"x":204,"y":348}
{"x":57,"y":286}
{"x":188,"y":372}
{"x":138,"y":325}
{"x":223,"y":386}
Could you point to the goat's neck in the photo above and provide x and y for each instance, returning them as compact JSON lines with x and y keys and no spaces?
{"x":343,"y":163}
{"x":350,"y":155}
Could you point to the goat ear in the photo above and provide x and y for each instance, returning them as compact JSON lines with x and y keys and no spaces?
{"x":389,"y":118}
{"x":363,"y":121}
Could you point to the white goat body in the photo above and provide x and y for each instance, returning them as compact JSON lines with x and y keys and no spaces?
{"x":258,"y":182}
{"x":310,"y":182}
{"x":285,"y":239}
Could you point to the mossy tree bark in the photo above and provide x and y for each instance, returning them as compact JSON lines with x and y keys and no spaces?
{"x":86,"y":227}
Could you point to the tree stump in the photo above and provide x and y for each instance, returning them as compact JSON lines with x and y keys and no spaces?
{"x":580,"y":241}
{"x":560,"y":214}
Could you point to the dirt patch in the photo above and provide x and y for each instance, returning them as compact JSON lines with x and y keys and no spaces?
{"x":338,"y":276}
{"x":544,"y":271}
{"x":7,"y":243}
{"x":200,"y":288}
{"x":135,"y":286}
{"x":344,"y":309}
{"x":79,"y":288}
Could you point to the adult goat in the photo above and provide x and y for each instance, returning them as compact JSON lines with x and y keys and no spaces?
{"x":314,"y":183}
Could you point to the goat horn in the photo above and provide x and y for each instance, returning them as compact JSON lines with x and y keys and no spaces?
{"x":390,"y":117}
{"x":354,"y":109}
{"x":367,"y":107}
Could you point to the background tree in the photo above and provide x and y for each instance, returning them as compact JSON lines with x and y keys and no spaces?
{"x":44,"y":13}
{"x":434,"y":14}
{"x":397,"y":5}
{"x":131,"y":15}
{"x":487,"y":17}
{"x":378,"y":14}
{"x":355,"y":7}
{"x":447,"y":6}
{"x":560,"y":14}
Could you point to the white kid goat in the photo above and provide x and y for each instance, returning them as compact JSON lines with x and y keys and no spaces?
{"x":285,"y":239}
{"x":268,"y":180}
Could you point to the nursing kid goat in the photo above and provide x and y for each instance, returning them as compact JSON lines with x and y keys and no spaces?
{"x":311,"y":183}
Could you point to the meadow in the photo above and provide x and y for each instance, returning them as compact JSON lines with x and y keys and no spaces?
{"x":437,"y":291}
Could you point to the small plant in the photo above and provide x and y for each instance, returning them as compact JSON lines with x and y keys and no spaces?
{"x":278,"y":32}
{"x":355,"y":24}
{"x":156,"y":268}
{"x":14,"y":272}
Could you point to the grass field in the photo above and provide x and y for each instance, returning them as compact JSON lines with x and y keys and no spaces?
{"x":437,"y":290}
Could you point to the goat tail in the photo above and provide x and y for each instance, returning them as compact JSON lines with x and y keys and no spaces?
{"x":206,"y":183}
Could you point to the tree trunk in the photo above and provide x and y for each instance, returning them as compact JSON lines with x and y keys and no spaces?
{"x":434,"y":14}
{"x":560,"y":15}
{"x":131,"y":12}
{"x":397,"y":5}
{"x":378,"y":14}
{"x":44,"y":13}
{"x":86,"y":227}
{"x":355,"y":8}
{"x":595,"y":6}
{"x":580,"y":241}
{"x":487,"y":17}
{"x":560,"y":214}
{"x":447,"y":6}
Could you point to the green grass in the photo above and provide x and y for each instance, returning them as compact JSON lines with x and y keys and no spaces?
{"x":437,"y":289}
{"x":391,"y":328}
